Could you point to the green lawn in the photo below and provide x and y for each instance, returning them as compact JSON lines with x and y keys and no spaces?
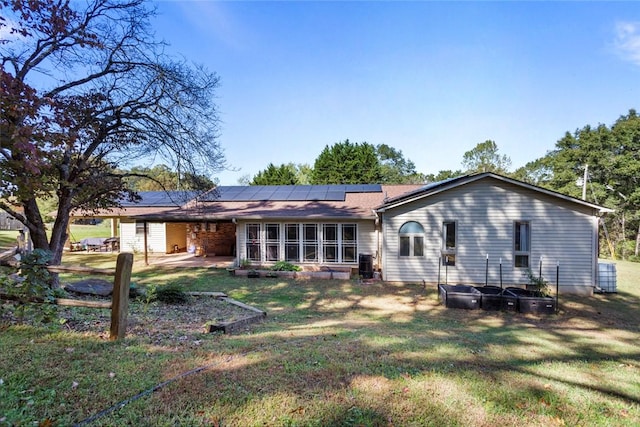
{"x":8,"y":239}
{"x":336,"y":353}
{"x":78,"y":232}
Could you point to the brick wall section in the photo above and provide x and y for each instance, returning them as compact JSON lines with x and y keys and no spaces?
{"x":216,"y":243}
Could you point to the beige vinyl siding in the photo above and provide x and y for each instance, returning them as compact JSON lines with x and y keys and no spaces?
{"x":367,"y":240}
{"x":130,"y":241}
{"x":485,"y":212}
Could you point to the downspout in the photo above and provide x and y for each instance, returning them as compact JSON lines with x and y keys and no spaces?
{"x":377,"y":227}
{"x":146,"y":251}
{"x":237,"y":249}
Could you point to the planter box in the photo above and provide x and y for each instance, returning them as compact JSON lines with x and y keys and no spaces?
{"x":339,"y":275}
{"x":460,"y":296}
{"x":494,"y":298}
{"x":491,"y":298}
{"x":532,"y":302}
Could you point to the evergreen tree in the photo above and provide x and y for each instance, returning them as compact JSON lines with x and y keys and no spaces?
{"x":347,"y":163}
{"x":275,"y":175}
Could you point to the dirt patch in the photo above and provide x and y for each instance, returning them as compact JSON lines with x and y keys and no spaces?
{"x":157,"y":323}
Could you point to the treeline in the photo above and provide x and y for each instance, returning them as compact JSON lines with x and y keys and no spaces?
{"x":610,"y":155}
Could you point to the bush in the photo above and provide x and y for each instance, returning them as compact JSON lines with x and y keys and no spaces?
{"x":285,"y":266}
{"x":32,"y":288}
{"x":171,"y":293}
{"x":541,"y":285}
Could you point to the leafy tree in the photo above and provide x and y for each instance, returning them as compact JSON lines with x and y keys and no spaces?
{"x":442,"y":175}
{"x":275,"y":175}
{"x":484,"y":157}
{"x":303,"y":173}
{"x":536,"y":172}
{"x":347,"y":163}
{"x":162,"y":178}
{"x":83,"y":89}
{"x":611,"y":156}
{"x":395,"y":169}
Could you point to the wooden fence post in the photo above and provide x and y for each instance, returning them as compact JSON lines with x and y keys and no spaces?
{"x":120,"y":302}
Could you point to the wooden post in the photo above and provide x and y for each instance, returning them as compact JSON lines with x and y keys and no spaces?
{"x":120,"y":302}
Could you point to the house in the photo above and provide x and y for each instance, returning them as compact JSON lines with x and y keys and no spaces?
{"x":487,"y":228}
{"x":475,"y":229}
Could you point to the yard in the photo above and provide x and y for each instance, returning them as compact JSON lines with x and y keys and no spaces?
{"x":330,"y":353}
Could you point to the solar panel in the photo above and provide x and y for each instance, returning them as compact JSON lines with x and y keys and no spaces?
{"x":333,"y":195}
{"x":239,"y":193}
{"x":316,"y":195}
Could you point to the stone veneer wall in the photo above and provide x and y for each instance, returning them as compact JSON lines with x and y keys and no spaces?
{"x":220,"y":242}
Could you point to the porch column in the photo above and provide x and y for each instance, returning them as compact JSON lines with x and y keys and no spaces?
{"x":114,"y":227}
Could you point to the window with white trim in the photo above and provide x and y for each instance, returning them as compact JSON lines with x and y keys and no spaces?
{"x":272,"y":233}
{"x":292,"y":242}
{"x":449,"y":242}
{"x":310,"y":242}
{"x":330,"y":242}
{"x":411,"y":239}
{"x":521,"y":243}
{"x":140,"y":226}
{"x":349,"y":242}
{"x":253,"y":242}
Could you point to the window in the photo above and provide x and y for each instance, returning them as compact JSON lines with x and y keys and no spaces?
{"x":449,"y":240}
{"x":330,"y":242}
{"x":291,"y":243}
{"x":140,"y":226}
{"x":253,"y":242}
{"x":411,"y":239}
{"x":327,"y":243}
{"x":309,"y":242}
{"x":272,"y":232}
{"x":522,"y":243}
{"x":349,"y":242}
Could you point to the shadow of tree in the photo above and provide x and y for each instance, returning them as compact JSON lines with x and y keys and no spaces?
{"x":343,"y":353}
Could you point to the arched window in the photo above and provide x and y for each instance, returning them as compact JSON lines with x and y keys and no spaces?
{"x":411,"y":237}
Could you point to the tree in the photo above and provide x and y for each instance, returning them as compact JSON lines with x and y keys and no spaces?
{"x":536,"y":172}
{"x":611,"y":157}
{"x":275,"y":175}
{"x":347,"y":163}
{"x":395,"y":169}
{"x":485,"y":158}
{"x":163,"y":178}
{"x":85,"y":90}
{"x":443,"y":175}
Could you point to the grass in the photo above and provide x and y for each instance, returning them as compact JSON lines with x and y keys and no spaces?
{"x":8,"y":239}
{"x":338,"y":353}
{"x":78,"y":232}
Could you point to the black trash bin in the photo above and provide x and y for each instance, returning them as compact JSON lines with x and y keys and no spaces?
{"x":365,"y":266}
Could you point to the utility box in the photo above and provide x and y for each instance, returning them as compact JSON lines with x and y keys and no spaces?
{"x":365,"y":266}
{"x":607,"y":277}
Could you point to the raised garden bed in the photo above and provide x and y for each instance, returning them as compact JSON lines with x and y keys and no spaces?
{"x":532,"y":302}
{"x":460,"y":296}
{"x":332,"y":274}
{"x":494,"y":298}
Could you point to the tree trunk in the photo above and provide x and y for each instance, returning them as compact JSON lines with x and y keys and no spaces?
{"x":637,"y":241}
{"x":60,"y":227}
{"x":38,"y":231}
{"x":34,"y":223}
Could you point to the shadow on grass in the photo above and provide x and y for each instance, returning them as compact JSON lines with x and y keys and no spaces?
{"x":324,"y":337}
{"x":344,"y":353}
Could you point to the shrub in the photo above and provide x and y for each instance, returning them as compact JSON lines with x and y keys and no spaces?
{"x":172,"y":293}
{"x":541,"y":285}
{"x":285,"y":266}
{"x":33,"y":284}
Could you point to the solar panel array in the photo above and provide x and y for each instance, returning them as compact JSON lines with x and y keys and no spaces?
{"x":161,"y":198}
{"x":252,"y":193}
{"x":281,"y":193}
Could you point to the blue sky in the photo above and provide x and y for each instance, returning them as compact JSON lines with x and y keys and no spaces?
{"x":432,"y":79}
